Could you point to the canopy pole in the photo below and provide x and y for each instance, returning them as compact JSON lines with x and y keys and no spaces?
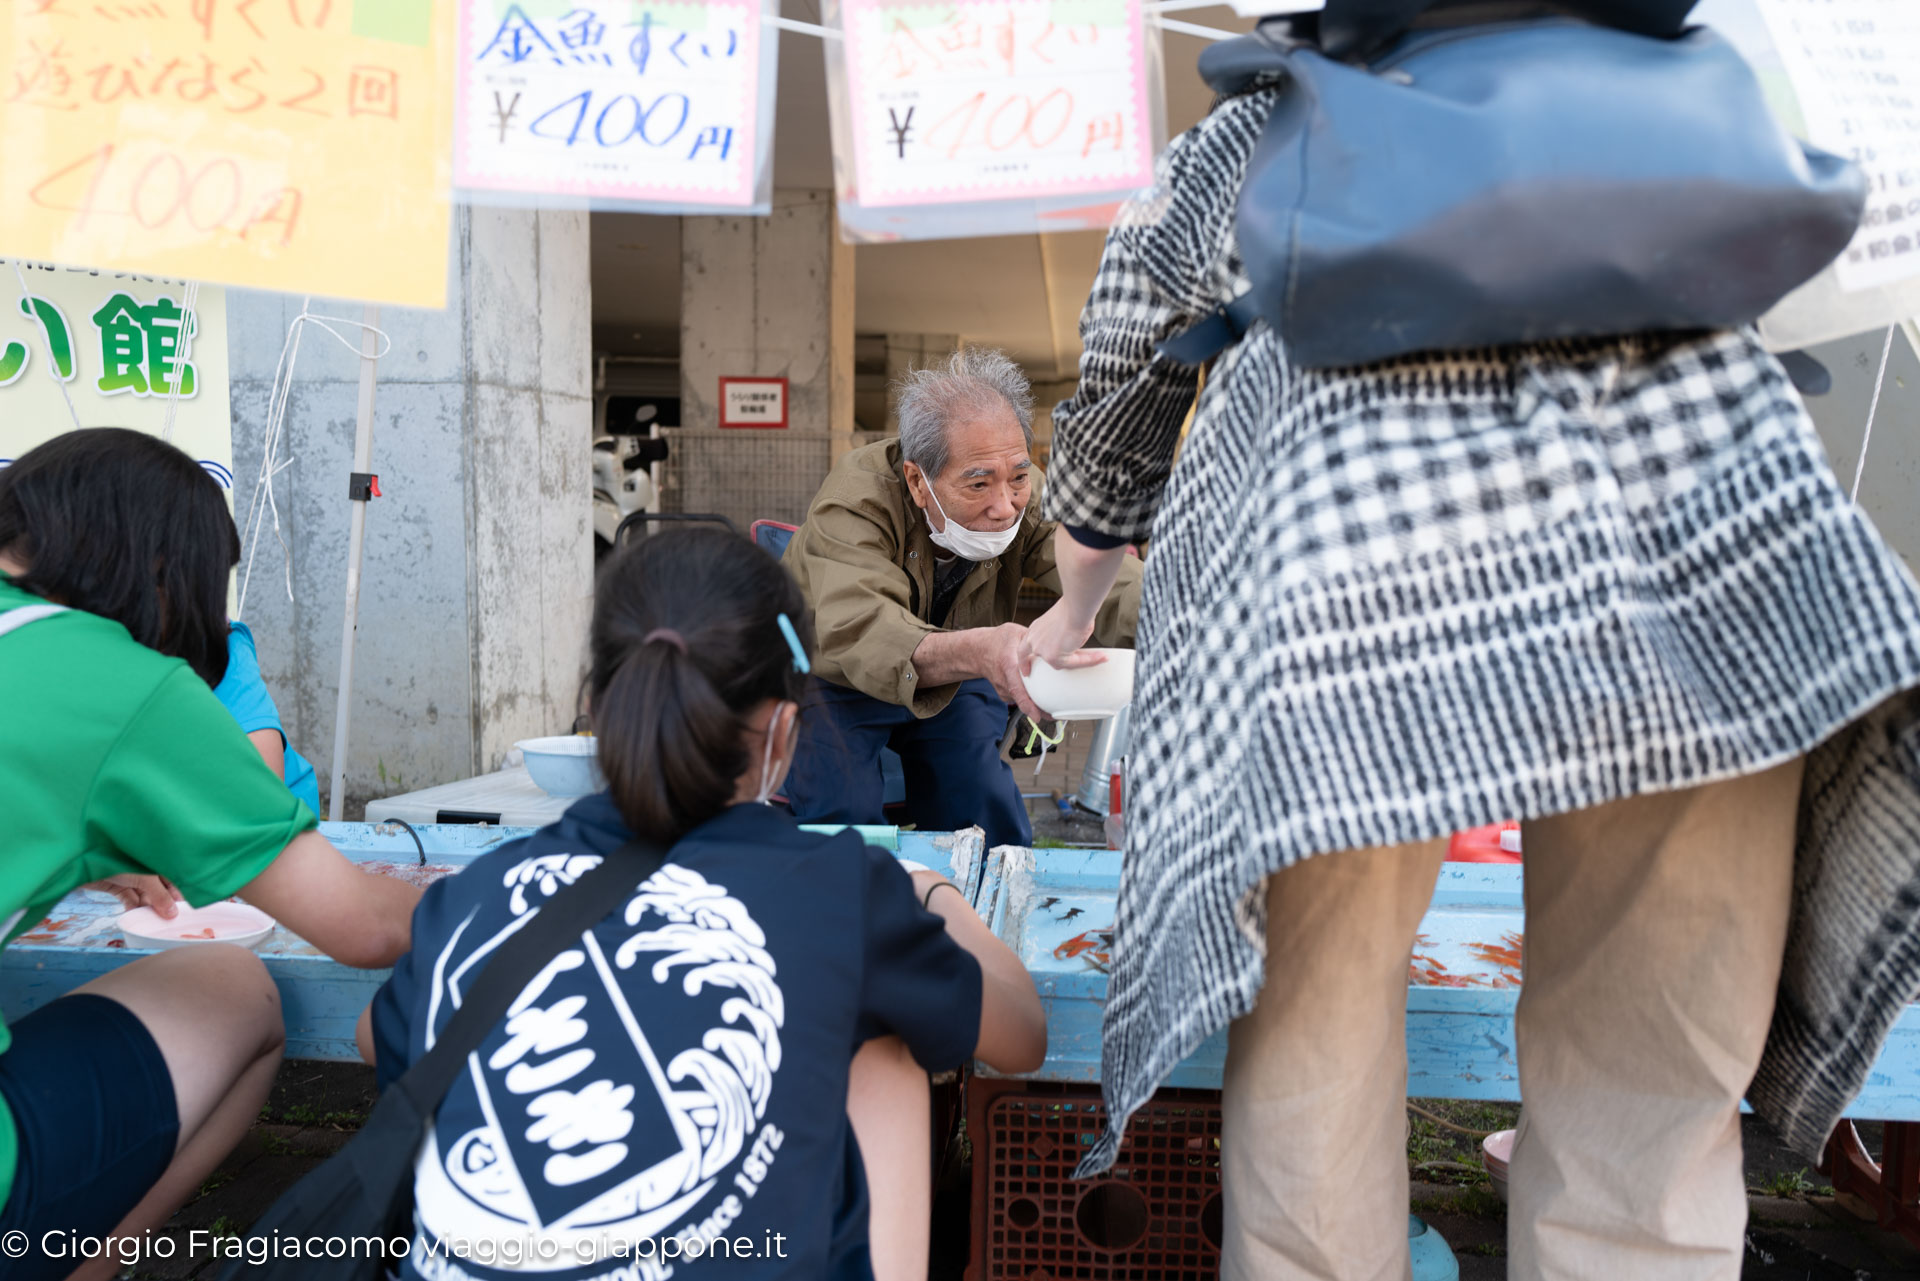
{"x":356,"y":536}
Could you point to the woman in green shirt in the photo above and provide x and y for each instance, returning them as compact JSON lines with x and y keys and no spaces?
{"x":119,"y":767}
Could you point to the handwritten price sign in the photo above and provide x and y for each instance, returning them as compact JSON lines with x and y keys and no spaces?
{"x":618,"y":99}
{"x":293,"y":145}
{"x":1855,"y":66}
{"x":996,"y":99}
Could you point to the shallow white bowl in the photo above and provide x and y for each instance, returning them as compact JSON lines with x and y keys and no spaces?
{"x":230,"y":922}
{"x":1084,"y":693}
{"x":1496,"y":1151}
{"x":564,"y":764}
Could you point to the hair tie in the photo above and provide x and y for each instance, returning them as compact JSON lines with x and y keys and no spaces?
{"x":668,"y":635}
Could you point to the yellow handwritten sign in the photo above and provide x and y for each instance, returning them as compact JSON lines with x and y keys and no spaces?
{"x":298,"y":145}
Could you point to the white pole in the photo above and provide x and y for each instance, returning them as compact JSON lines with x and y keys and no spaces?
{"x":362,"y":462}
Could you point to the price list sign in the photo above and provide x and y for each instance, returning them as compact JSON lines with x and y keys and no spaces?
{"x":298,"y":145}
{"x":611,"y":99}
{"x":992,"y":99}
{"x":1855,"y":67}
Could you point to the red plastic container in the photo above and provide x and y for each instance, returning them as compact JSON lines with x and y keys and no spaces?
{"x":1499,"y":843}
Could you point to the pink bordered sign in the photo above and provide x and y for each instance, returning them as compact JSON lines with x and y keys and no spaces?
{"x":996,"y":99}
{"x":622,"y":100}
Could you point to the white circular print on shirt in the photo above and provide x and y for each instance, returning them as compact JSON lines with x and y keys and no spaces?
{"x":593,"y":1128}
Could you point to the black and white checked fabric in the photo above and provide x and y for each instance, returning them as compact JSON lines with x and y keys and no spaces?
{"x":1388,"y":603}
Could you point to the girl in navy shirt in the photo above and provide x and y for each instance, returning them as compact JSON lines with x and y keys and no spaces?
{"x":672,"y":1096}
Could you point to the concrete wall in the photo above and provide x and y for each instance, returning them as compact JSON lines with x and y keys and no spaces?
{"x":477,"y":573}
{"x":766,"y":297}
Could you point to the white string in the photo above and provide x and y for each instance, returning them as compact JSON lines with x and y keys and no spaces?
{"x":1860,"y":468}
{"x":264,"y":505}
{"x":808,"y":28}
{"x":189,"y":302}
{"x":53,"y":366}
{"x":1193,"y":29}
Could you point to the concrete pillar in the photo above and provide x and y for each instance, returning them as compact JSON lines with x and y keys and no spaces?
{"x":766,"y":297}
{"x":477,"y":583}
{"x":1046,"y":396}
{"x":759,"y":296}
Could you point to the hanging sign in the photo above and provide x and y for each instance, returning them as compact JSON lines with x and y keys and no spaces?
{"x":753,"y":402}
{"x":297,"y":145}
{"x":1855,"y":68}
{"x":112,"y":345}
{"x":1840,"y":75}
{"x":996,"y":99}
{"x":617,"y":100}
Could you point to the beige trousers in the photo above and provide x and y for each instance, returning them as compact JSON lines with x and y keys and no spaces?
{"x":1654,"y":933}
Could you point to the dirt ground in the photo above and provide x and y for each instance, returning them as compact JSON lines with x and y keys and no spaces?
{"x":1798,"y":1231}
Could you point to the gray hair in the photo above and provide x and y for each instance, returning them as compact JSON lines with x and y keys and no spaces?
{"x":975,"y":381}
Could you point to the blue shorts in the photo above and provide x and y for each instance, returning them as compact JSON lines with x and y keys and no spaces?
{"x":93,"y":1104}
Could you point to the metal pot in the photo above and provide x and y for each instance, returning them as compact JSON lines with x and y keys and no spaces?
{"x":1109,"y":745}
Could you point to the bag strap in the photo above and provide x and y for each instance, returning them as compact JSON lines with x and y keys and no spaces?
{"x":519,"y":960}
{"x":21,"y":615}
{"x":1213,"y":333}
{"x":1356,"y":29}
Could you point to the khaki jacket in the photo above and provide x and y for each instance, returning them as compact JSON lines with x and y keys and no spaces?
{"x":864,"y":559}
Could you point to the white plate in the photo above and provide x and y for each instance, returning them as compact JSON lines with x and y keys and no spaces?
{"x":230,"y":922}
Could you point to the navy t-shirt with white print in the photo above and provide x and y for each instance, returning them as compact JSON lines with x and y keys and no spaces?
{"x":682,"y":1074}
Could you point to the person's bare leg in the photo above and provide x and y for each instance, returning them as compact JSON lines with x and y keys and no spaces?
{"x":215,"y":1014}
{"x":891,"y":1108}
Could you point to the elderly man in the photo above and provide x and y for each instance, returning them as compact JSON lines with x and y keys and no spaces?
{"x":912,"y":558}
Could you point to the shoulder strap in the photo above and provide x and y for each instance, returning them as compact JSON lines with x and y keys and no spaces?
{"x":558,"y":923}
{"x":1360,"y":28}
{"x":21,"y":615}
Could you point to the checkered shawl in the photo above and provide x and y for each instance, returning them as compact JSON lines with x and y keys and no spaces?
{"x":1392,"y":602}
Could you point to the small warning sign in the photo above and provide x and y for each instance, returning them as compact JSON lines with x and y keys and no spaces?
{"x":753,"y":402}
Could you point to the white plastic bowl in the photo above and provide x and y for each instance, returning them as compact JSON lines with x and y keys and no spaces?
{"x":563,"y":765}
{"x":1496,"y":1151}
{"x":1083,"y":693}
{"x":228,"y":922}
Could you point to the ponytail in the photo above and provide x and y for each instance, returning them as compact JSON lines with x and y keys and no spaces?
{"x":671,"y":750}
{"x":686,"y":642}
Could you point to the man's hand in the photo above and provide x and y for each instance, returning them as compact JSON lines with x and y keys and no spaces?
{"x":1002,"y":649}
{"x":141,"y":891}
{"x":1057,"y":637}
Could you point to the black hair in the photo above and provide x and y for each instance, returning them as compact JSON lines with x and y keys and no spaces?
{"x":121,"y":524}
{"x":686,"y":641}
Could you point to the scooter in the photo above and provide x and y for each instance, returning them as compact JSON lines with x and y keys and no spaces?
{"x":622,"y":485}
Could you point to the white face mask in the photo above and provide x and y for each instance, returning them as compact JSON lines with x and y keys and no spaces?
{"x":766,"y":757}
{"x":968,"y":544}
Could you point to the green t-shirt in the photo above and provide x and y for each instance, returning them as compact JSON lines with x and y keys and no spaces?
{"x":113,"y":759}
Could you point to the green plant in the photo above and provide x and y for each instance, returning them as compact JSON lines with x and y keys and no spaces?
{"x":224,"y":1227}
{"x":1788,"y":1184}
